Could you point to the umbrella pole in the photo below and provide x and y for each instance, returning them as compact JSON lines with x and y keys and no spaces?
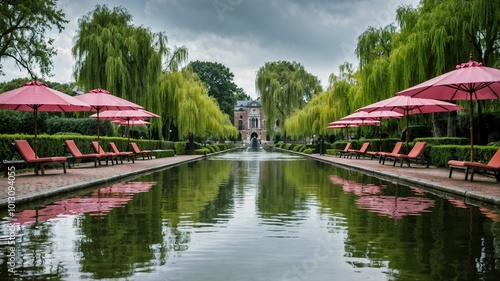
{"x":471,"y":120}
{"x":98,"y":125}
{"x":35,"y":116}
{"x":407,"y":133}
{"x":379,"y":134}
{"x":128,"y":130}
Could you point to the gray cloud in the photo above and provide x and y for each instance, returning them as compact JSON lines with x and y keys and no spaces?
{"x":244,"y":34}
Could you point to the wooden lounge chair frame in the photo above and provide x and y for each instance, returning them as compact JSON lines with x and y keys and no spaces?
{"x":415,"y":153}
{"x":107,"y":155}
{"x":493,"y":167}
{"x":76,"y":154}
{"x":122,"y":154}
{"x":137,"y":151}
{"x":28,"y":154}
{"x":358,"y":152}
{"x":345,"y":151}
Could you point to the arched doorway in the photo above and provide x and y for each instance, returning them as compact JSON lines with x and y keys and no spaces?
{"x":254,"y":134}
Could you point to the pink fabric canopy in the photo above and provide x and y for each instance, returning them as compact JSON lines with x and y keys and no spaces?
{"x":36,"y":96}
{"x":469,"y":81}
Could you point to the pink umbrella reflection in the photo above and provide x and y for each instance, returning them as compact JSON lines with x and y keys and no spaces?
{"x":99,"y":203}
{"x":395,"y":207}
{"x":355,"y":187}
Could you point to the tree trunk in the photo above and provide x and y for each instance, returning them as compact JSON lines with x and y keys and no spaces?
{"x":436,"y":129}
{"x":451,"y":129}
{"x":191,"y":143}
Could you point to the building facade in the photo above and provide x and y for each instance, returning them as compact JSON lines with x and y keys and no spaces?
{"x":250,"y":121}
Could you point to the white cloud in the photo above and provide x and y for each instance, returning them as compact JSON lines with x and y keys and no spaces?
{"x":243,"y":34}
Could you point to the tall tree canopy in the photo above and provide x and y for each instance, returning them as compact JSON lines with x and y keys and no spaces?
{"x":124,"y":59}
{"x":23,"y":24}
{"x":219,"y":82}
{"x":325,"y":107}
{"x":284,"y":87}
{"x":189,"y":108}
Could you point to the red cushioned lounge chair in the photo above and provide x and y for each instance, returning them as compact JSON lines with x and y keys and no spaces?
{"x":345,"y":151}
{"x":77,"y":154}
{"x":107,"y":155}
{"x":415,"y":153}
{"x":396,"y":150}
{"x":137,"y":151}
{"x":25,"y":150}
{"x":360,"y":152}
{"x":122,"y":154}
{"x":493,"y":166}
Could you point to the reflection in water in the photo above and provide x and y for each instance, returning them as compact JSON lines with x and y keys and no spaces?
{"x":98,"y":203}
{"x":257,"y":216}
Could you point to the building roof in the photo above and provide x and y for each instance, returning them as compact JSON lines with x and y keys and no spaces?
{"x":241,"y":105}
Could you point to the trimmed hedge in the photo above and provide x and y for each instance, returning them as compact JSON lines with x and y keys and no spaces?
{"x":180,"y":147}
{"x":441,"y":154}
{"x":50,"y":145}
{"x":163,"y":153}
{"x":202,"y":151}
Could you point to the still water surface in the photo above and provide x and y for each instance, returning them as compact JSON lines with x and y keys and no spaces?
{"x":253,"y":216}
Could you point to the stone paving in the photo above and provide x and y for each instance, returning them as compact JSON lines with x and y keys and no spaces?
{"x":29,"y":187}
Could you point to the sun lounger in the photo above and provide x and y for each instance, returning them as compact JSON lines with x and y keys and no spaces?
{"x":76,"y":154}
{"x":396,"y":150}
{"x":415,"y":154}
{"x":492,"y":167}
{"x":122,"y":154}
{"x":345,"y":151}
{"x":137,"y":151}
{"x":27,"y":153}
{"x":360,"y":152}
{"x":109,"y":155}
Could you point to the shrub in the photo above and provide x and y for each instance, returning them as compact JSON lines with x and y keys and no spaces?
{"x":180,"y":147}
{"x":201,"y":151}
{"x":309,"y":151}
{"x":163,"y":153}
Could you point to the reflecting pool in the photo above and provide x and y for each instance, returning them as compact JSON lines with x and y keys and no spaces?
{"x":252,"y":216}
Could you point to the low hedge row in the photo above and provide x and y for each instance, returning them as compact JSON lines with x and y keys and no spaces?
{"x":52,"y":145}
{"x":440,"y":150}
{"x":163,"y":153}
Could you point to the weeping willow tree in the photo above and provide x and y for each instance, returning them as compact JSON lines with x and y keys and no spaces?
{"x":325,"y":107}
{"x":126,"y":60}
{"x":284,"y":87}
{"x":189,"y":108}
{"x":441,"y":34}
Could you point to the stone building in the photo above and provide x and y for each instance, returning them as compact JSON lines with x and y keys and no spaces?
{"x":250,"y":121}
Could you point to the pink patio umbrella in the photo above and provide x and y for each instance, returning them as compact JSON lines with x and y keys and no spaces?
{"x":407,"y":105}
{"x":130,"y":123}
{"x":469,"y":81}
{"x":125,"y":115}
{"x":101,"y":100}
{"x":374,"y":115}
{"x":351,"y":123}
{"x":37,"y":97}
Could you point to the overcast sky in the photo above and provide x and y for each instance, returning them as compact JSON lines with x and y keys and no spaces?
{"x":242,"y":34}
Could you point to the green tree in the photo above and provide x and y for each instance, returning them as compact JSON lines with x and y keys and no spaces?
{"x":241,"y":95}
{"x":284,"y":87}
{"x":124,"y":59}
{"x":439,"y":35}
{"x":23,"y":24}
{"x":189,"y":107}
{"x":325,"y":107}
{"x":219,"y":83}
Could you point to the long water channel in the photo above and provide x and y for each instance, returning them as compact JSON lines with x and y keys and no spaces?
{"x":252,"y":216}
